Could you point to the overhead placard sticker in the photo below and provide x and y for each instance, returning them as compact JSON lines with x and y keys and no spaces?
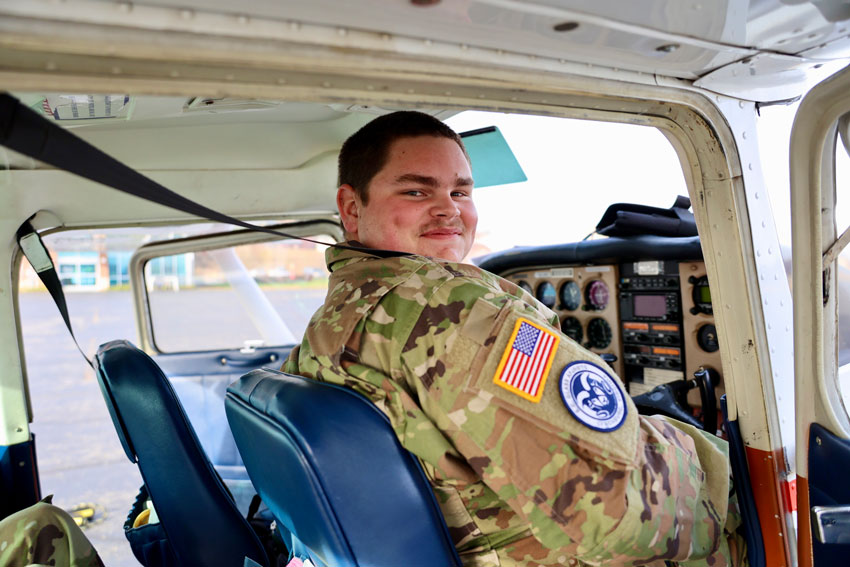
{"x":592,"y":396}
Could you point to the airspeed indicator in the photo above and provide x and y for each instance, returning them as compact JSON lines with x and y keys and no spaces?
{"x":547,"y":295}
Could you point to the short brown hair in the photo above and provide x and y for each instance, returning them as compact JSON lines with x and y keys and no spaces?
{"x":365,"y":153}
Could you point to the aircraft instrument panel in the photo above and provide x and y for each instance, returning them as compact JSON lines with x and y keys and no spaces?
{"x":650,"y":320}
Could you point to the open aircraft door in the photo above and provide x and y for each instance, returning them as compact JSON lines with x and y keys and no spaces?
{"x":823,"y":427}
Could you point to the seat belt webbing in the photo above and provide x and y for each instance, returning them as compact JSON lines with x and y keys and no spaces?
{"x":35,"y":251}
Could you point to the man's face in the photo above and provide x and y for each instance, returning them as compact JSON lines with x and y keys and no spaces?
{"x":420,"y":202}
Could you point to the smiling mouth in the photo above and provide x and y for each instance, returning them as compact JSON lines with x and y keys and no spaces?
{"x":442,"y":233}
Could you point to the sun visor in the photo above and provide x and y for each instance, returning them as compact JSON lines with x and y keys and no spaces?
{"x":493,"y":162}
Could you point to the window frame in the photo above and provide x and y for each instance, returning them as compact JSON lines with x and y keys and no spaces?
{"x":328,"y":225}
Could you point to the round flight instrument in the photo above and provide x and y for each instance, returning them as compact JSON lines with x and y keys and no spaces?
{"x":571,"y":327}
{"x":547,"y":295}
{"x":525,"y":285}
{"x":707,"y":338}
{"x":596,"y":294}
{"x":570,"y":296}
{"x":598,"y":333}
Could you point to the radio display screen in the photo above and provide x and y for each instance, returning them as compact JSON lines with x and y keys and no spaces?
{"x":650,"y":305}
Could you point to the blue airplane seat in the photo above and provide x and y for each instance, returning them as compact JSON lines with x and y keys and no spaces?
{"x":330,"y":468}
{"x":201,"y":523}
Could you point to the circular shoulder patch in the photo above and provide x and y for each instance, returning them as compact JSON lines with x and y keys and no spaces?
{"x":592,"y":396}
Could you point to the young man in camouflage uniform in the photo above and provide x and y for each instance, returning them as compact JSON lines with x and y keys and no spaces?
{"x":534,"y":450}
{"x":44,"y":535}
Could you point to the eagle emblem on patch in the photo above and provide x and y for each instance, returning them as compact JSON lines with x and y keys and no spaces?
{"x":592,"y":396}
{"x":526,"y":360}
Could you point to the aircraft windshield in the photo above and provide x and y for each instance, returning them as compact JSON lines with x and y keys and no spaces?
{"x":575,"y":169}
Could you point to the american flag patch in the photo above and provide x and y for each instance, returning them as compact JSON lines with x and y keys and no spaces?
{"x":526,"y":360}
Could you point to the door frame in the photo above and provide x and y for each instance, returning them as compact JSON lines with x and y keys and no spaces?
{"x":813,"y":197}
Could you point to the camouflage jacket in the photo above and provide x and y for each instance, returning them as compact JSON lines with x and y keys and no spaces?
{"x":44,"y":535}
{"x":535,"y":452}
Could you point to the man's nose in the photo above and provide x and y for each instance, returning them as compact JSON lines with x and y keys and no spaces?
{"x":444,"y":206}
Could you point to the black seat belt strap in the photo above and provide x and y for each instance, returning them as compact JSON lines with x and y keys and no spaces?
{"x":35,"y":251}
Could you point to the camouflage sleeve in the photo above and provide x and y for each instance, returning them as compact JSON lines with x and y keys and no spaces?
{"x":551,"y":430}
{"x":44,"y":535}
{"x":290,"y":365}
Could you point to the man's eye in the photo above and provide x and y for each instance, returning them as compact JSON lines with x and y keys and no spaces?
{"x":413,"y":192}
{"x":460,"y":194}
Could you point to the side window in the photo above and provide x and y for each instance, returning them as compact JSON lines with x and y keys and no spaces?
{"x":212,"y":295}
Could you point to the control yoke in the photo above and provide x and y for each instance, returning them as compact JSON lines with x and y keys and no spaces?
{"x":670,"y":400}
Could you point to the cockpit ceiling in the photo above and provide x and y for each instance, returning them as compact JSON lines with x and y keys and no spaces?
{"x":201,"y":133}
{"x":728,"y":46}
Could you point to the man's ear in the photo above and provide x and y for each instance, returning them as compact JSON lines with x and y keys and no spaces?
{"x":349,"y":209}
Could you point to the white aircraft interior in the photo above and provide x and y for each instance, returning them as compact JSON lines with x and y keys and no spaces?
{"x":244,"y":109}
